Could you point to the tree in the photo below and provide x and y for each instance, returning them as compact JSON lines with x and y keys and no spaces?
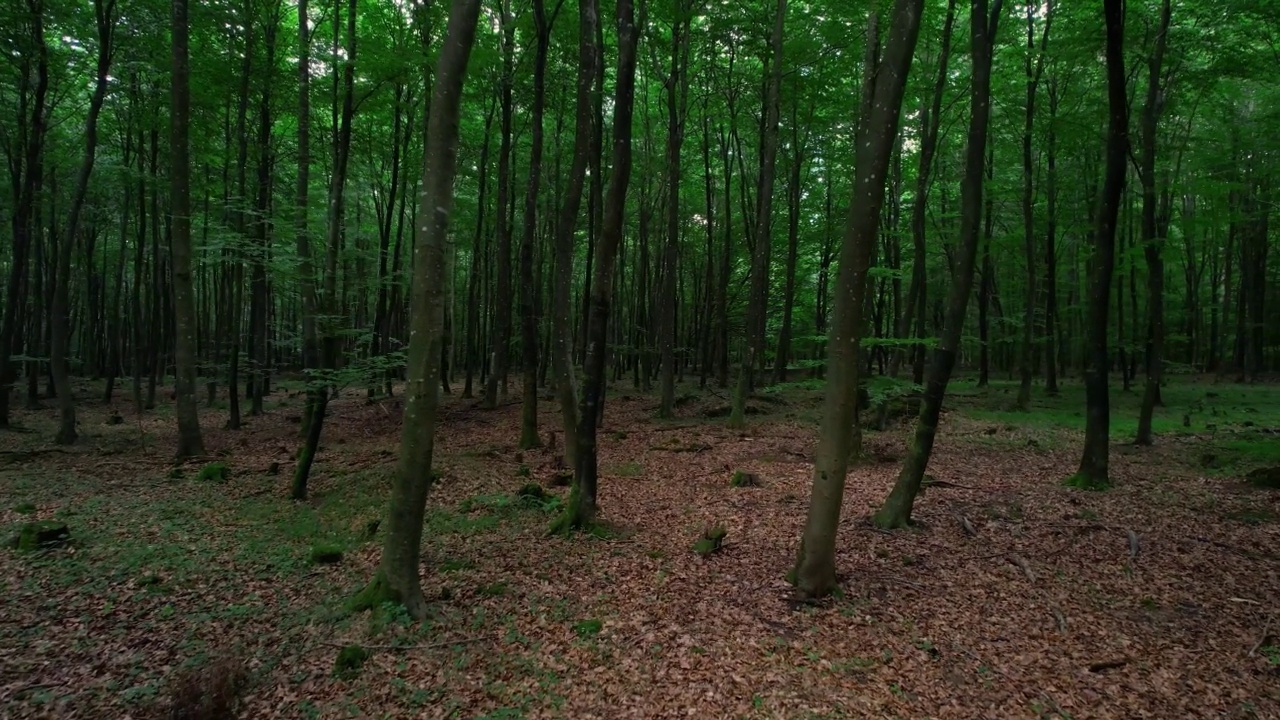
{"x":105,"y":21}
{"x":896,"y":511}
{"x":1093,"y":472}
{"x":758,"y":299}
{"x":396,"y":579}
{"x":190,"y":442}
{"x":1155,"y":226}
{"x":883,"y":85}
{"x":581,"y":510}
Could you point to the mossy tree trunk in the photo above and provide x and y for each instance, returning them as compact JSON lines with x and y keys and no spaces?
{"x":1093,"y":472}
{"x":883,"y":85}
{"x":896,"y":511}
{"x":396,"y":579}
{"x":582,"y":508}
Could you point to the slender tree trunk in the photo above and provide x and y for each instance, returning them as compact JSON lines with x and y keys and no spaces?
{"x":396,"y":579}
{"x":585,"y":142}
{"x":677,"y":86}
{"x":528,"y":303}
{"x":582,"y":507}
{"x":1033,"y":72}
{"x":501,"y":308}
{"x":896,"y":511}
{"x":883,"y":84}
{"x":1153,"y":232}
{"x":190,"y":442}
{"x":1094,"y":458}
{"x":1051,"y":246}
{"x":104,"y":17}
{"x":757,"y":307}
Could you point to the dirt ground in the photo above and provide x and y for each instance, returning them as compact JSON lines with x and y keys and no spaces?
{"x":1015,"y":597}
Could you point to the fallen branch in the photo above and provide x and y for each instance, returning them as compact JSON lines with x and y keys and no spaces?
{"x":1105,"y":665}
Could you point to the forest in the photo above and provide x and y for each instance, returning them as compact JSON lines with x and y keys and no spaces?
{"x":640,"y":358}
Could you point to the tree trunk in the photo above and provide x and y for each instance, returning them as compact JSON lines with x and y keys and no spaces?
{"x":883,"y":85}
{"x":190,"y":442}
{"x":1093,"y":471}
{"x":104,"y":18}
{"x":1153,"y":231}
{"x":528,"y":305}
{"x":896,"y":511}
{"x":502,"y":307}
{"x":1028,"y":200}
{"x":757,"y":303}
{"x":1050,"y":246}
{"x":582,"y":507}
{"x":396,"y":579}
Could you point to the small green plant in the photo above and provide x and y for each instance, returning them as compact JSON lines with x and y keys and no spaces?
{"x":742,"y":479}
{"x":175,"y":473}
{"x":628,"y":469}
{"x":711,"y":542}
{"x":588,"y":628}
{"x":523,"y":471}
{"x":214,"y":472}
{"x":324,"y":553}
{"x":531,"y":494}
{"x":349,"y":661}
{"x":25,"y":508}
{"x":619,"y":435}
{"x":1272,"y":654}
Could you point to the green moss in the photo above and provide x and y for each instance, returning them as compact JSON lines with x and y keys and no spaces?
{"x":40,"y":535}
{"x":373,"y":595}
{"x":531,"y":493}
{"x":1083,"y":482}
{"x":742,"y":479}
{"x":349,"y":660}
{"x":587,"y":628}
{"x":523,"y":471}
{"x":25,"y":508}
{"x":711,"y":542}
{"x":326,"y":553}
{"x":214,"y":472}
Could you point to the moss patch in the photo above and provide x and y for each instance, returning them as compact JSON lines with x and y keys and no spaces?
{"x":40,"y":535}
{"x":326,"y":554}
{"x":349,"y":661}
{"x":711,"y":542}
{"x":742,"y":479}
{"x":214,"y":472}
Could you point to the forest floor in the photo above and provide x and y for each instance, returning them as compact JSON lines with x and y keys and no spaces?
{"x":1154,"y":599}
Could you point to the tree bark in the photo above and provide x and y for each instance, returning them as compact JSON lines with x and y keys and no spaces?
{"x":497,"y":379}
{"x":582,"y":508}
{"x":1093,"y":470}
{"x":884,"y":82}
{"x":757,"y":303}
{"x":190,"y":441}
{"x":1153,"y":231}
{"x":1033,"y":73}
{"x":896,"y":511}
{"x":396,"y":579}
{"x":104,"y":20}
{"x":528,"y":304}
